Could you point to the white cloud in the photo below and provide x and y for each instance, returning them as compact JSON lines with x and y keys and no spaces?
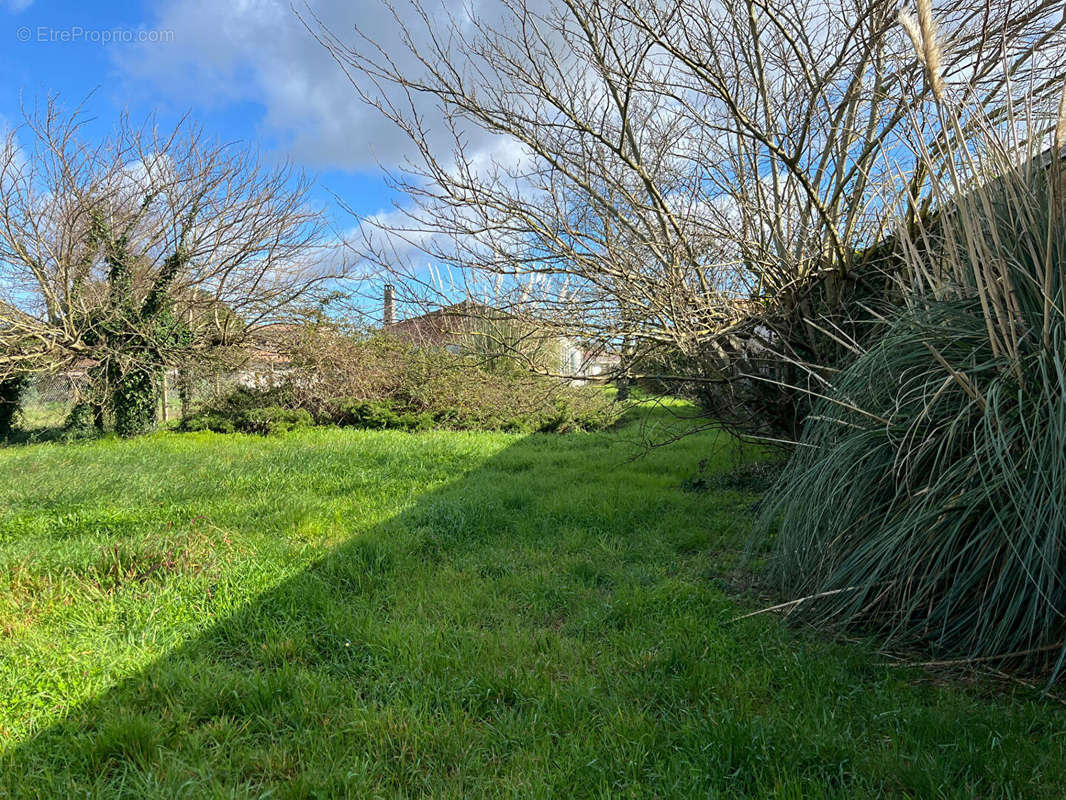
{"x":15,"y":6}
{"x":258,"y":51}
{"x":252,"y":51}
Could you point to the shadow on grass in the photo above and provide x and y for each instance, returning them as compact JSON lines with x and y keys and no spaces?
{"x":22,"y":437}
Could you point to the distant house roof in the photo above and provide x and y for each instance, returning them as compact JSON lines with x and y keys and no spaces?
{"x":274,"y":335}
{"x":443,"y":325}
{"x":273,"y":345}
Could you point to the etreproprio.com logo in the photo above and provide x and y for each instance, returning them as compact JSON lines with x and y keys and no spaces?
{"x":76,"y":34}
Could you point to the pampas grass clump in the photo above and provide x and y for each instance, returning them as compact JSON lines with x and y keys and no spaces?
{"x":927,"y":501}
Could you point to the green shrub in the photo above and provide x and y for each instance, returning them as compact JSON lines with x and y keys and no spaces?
{"x":80,"y":423}
{"x":209,"y":421}
{"x":10,"y":399}
{"x":561,"y":417}
{"x":237,"y":415}
{"x":381,"y":415}
{"x":273,"y":420}
{"x":400,"y":387}
{"x":245,"y":398}
{"x":382,"y":384}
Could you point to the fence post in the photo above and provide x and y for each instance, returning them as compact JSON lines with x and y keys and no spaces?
{"x":163,"y":393}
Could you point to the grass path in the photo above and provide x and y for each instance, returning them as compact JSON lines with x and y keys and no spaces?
{"x":355,"y":614}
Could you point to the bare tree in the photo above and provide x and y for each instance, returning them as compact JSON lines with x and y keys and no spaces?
{"x":695,"y":181}
{"x":821,"y":106}
{"x":144,"y":250}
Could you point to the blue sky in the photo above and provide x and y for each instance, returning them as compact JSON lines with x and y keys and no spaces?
{"x":245,"y":69}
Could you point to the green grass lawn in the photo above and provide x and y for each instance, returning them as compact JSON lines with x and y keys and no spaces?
{"x":337,"y":613}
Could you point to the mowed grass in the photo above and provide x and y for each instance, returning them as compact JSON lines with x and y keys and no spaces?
{"x":338,"y":613}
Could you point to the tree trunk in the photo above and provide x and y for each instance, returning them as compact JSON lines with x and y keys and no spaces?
{"x":135,"y":399}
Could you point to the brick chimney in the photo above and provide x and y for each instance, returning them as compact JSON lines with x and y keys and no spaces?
{"x":388,"y":313}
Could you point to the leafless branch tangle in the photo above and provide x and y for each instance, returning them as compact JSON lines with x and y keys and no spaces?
{"x":676,"y":177}
{"x":251,"y":245}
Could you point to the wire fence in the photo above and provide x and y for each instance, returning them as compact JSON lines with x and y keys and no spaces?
{"x":48,"y":400}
